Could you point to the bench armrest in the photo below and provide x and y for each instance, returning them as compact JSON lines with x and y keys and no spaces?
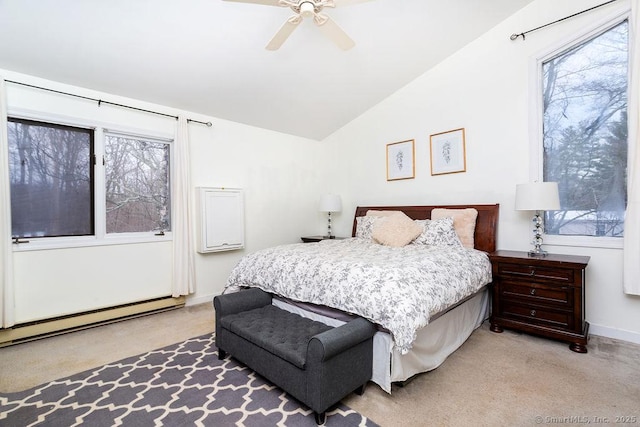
{"x":327,"y":344}
{"x":243,"y":300}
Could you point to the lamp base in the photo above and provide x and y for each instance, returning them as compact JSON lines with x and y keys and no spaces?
{"x":537,"y":253}
{"x":329,"y":237}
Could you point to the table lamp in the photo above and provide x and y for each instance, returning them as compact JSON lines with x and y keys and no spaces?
{"x":538,"y":197}
{"x":330,"y":203}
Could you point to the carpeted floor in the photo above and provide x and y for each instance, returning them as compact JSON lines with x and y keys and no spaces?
{"x":507,"y":379}
{"x":514,"y":379}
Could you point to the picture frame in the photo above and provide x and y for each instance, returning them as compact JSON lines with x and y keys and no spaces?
{"x":401,"y":160}
{"x":448,"y":152}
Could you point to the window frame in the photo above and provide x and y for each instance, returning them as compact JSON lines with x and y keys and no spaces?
{"x":156,"y":139}
{"x":100,"y":236}
{"x":536,"y":121}
{"x":91,"y":170}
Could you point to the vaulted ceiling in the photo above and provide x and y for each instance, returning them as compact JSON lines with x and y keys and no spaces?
{"x":209,"y":56}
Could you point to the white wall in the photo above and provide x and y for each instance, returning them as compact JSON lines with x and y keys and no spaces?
{"x":281,"y":176}
{"x":483,"y":88}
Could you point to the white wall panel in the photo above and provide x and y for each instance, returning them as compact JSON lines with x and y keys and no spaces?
{"x":220,"y":219}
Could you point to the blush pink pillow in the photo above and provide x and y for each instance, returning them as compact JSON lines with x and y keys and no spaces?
{"x":395,"y":230}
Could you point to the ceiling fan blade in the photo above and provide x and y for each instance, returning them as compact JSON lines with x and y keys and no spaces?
{"x":330,"y":29}
{"x":285,"y":31}
{"x":264,"y":2}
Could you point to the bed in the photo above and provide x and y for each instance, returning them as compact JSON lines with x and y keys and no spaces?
{"x":426,"y":306}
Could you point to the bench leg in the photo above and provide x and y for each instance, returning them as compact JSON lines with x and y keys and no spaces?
{"x":320,"y":418}
{"x":221,"y":354}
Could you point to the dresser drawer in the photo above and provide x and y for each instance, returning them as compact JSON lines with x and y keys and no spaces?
{"x":537,"y":315}
{"x":561,"y":296}
{"x":537,"y":273}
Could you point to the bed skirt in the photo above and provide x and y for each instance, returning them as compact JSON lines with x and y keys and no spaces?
{"x":433,"y":344}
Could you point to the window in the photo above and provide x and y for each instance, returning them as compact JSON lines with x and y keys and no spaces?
{"x":71,"y":182}
{"x":137,"y":184}
{"x":585,"y":144}
{"x":50,"y":179}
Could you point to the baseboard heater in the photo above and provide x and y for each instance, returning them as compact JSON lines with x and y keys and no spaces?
{"x":63,"y":324}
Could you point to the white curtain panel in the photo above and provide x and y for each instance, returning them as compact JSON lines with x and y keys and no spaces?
{"x":183,"y":250}
{"x":632,"y":216}
{"x":6,"y":251}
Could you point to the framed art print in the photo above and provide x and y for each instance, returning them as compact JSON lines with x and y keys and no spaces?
{"x":400,"y":160}
{"x":448,"y":154}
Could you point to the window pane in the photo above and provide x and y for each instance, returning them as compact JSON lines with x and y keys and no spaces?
{"x":585,"y":135}
{"x":50,"y":178}
{"x":137,"y":185}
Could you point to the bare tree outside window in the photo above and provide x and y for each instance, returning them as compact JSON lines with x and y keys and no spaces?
{"x":585,"y":140}
{"x":50,"y":179}
{"x":137,"y":184}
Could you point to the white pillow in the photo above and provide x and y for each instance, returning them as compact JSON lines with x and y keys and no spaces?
{"x":439,"y":232}
{"x":364,"y":226}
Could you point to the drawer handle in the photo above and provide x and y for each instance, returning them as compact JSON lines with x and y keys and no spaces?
{"x":533,"y":313}
{"x":532,"y":292}
{"x":532,"y":272}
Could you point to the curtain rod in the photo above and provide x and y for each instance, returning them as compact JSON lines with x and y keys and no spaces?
{"x":515,"y":36}
{"x":101,"y":101}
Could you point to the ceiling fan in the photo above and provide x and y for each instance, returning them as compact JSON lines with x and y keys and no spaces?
{"x":308,"y":9}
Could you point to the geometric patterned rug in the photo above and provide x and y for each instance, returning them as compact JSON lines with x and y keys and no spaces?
{"x":180,"y":385}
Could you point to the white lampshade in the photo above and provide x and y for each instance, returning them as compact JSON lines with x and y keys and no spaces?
{"x":330,"y":203}
{"x":537,"y":196}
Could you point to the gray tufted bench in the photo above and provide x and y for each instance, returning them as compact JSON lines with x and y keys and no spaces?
{"x":315,"y":363}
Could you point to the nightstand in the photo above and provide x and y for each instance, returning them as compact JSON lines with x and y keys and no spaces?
{"x":311,"y":239}
{"x":540,"y":295}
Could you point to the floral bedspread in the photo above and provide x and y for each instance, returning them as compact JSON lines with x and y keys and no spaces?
{"x":397,"y":288}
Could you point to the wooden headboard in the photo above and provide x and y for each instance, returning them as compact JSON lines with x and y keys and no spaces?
{"x":485,"y":235}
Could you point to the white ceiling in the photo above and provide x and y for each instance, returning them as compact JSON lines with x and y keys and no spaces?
{"x":208,"y":56}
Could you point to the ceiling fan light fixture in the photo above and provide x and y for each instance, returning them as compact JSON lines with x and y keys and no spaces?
{"x":307,"y":9}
